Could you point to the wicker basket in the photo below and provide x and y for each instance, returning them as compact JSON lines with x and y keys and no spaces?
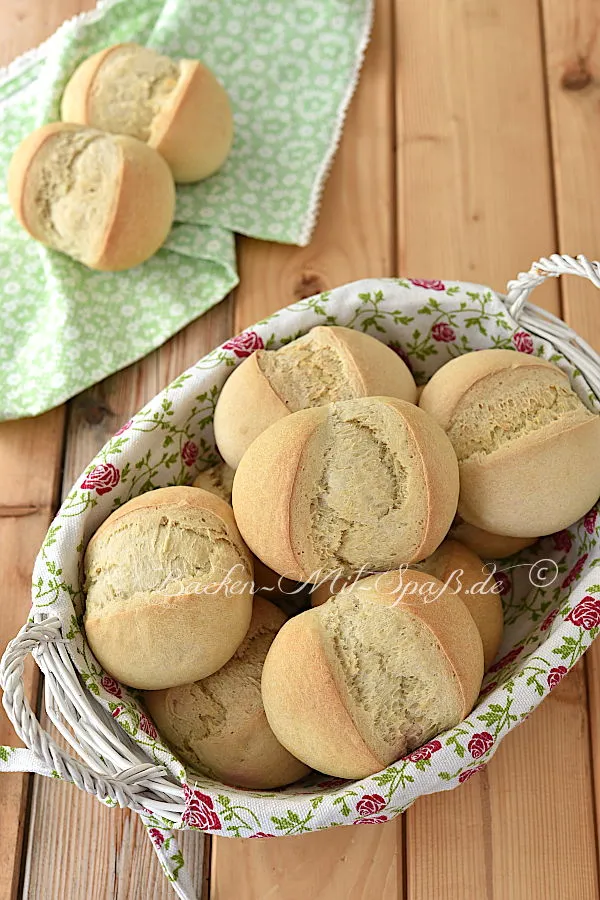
{"x":552,"y":606}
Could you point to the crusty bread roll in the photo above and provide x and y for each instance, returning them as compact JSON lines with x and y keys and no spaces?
{"x":527,"y":446}
{"x":466,"y":574}
{"x":324,"y":590}
{"x":178,"y":108}
{"x":484,"y":543}
{"x":158,"y":610}
{"x":218,"y":725}
{"x":105,"y":200}
{"x":370,"y":482}
{"x":329,"y":363}
{"x":219,"y":480}
{"x":353,"y":685}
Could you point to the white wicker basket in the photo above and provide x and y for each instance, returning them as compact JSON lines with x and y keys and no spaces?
{"x":121,"y":759}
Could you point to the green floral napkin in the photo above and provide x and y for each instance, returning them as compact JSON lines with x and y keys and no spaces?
{"x":290,"y":67}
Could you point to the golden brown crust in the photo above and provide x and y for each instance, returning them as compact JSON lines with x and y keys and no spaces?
{"x":465,"y":572}
{"x":142,"y":208}
{"x":75,"y":102}
{"x":199,"y":114}
{"x":563,"y":501}
{"x":20,"y":167}
{"x":449,"y":384}
{"x":272,"y":460}
{"x":485,"y":544}
{"x":296,"y":676}
{"x":144,"y":174}
{"x":449,"y":621}
{"x":439,"y":468}
{"x":379,"y":369}
{"x":247,"y":405}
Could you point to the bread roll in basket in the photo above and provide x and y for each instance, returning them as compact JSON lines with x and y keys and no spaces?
{"x":118,"y":754}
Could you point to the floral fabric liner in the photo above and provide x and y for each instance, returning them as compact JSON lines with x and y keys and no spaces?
{"x":549,"y":622}
{"x":290,"y":67}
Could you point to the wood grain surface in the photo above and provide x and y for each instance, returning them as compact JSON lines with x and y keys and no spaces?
{"x":471,"y":148}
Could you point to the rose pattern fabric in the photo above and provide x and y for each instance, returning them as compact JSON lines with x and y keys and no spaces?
{"x":372,"y":820}
{"x":480,"y":744}
{"x":503,"y":582}
{"x":589,"y":522}
{"x":586,"y":614}
{"x":506,"y":660}
{"x":102,"y":479}
{"x":549,"y":620}
{"x":110,"y":685}
{"x":523,"y":342}
{"x":370,"y":804}
{"x":441,"y":331}
{"x":199,"y":811}
{"x":124,"y":427}
{"x":562,"y":541}
{"x":425,"y":752}
{"x":468,"y":773}
{"x":245,"y":344}
{"x":183,"y":413}
{"x":156,"y":836}
{"x":430,"y":284}
{"x":148,"y":727}
{"x":189,"y":453}
{"x":575,"y":571}
{"x":556,"y":675}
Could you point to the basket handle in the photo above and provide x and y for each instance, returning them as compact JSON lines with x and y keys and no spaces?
{"x":122,"y":788}
{"x":549,"y":327}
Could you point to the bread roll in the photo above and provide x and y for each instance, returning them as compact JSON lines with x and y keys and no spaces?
{"x":219,"y":480}
{"x":218,"y":725}
{"x":324,"y":590}
{"x":327,"y":364}
{"x":160,"y":610}
{"x":466,"y":574}
{"x":527,"y":446}
{"x":178,"y":108}
{"x":484,"y":543}
{"x":370,"y":482}
{"x":105,"y":200}
{"x":353,"y":685}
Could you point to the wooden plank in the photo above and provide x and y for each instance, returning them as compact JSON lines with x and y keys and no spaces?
{"x":354,"y":239}
{"x":74,"y":841}
{"x":474,"y":183}
{"x":475,"y":202}
{"x":572,"y":70}
{"x":350,"y":863}
{"x":30,"y":454}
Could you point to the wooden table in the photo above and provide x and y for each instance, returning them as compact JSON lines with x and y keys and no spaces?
{"x":472,"y":147}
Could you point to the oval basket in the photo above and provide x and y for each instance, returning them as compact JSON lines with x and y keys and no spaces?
{"x":551,"y":592}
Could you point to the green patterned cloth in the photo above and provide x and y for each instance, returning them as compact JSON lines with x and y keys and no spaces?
{"x":290,"y":67}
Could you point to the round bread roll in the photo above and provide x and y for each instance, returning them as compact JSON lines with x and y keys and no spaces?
{"x":218,"y":726}
{"x":485,"y":544}
{"x":105,"y":200}
{"x":527,"y":446}
{"x":370,"y":482}
{"x":178,"y":108}
{"x":327,"y":364}
{"x":160,"y":609}
{"x":353,"y":685}
{"x":219,"y":480}
{"x":466,"y":574}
